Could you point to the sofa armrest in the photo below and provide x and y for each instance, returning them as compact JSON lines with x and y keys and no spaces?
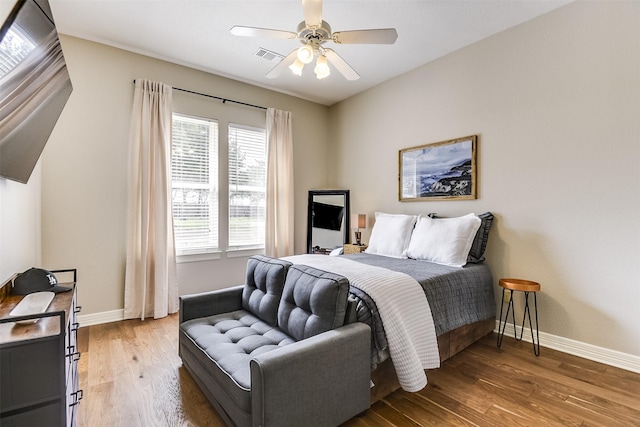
{"x":210,"y":303}
{"x":324,"y":378}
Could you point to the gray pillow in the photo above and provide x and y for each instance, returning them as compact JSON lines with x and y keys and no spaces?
{"x":263,"y":287}
{"x":476,"y":253}
{"x":313,"y":301}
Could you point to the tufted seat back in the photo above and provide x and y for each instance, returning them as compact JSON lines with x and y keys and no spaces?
{"x":313,"y":301}
{"x":263,"y":287}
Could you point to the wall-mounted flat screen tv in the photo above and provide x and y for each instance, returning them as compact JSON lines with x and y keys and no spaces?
{"x":34,"y":86}
{"x":327,"y":216}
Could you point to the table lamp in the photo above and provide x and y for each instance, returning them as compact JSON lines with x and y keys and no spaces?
{"x":358,"y":221}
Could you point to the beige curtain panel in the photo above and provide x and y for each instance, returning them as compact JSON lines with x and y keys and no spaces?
{"x":151,"y":285}
{"x":279,"y":216}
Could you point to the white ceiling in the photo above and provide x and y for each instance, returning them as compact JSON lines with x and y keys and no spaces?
{"x":196,"y":33}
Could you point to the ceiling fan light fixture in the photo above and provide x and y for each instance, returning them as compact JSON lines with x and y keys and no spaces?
{"x":322,"y":68}
{"x":313,"y":32}
{"x":305,"y":54}
{"x":297,"y":67}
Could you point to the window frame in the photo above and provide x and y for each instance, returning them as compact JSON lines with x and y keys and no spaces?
{"x":250,"y":246}
{"x":207,"y":251}
{"x":224,"y":250}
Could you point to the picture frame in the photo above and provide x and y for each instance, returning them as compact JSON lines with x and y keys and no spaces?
{"x":439,"y":171}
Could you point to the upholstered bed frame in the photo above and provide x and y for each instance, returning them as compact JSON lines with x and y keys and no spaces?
{"x":384,"y":376}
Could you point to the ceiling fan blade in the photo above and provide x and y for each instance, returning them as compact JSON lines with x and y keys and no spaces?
{"x":341,"y":65}
{"x":379,"y":36}
{"x":312,"y":10}
{"x":282,"y":65}
{"x":262,"y":32}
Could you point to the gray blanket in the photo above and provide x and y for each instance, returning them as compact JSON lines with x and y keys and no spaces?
{"x":457,"y":296}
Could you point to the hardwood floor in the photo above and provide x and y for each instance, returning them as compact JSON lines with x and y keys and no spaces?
{"x":132,"y":376}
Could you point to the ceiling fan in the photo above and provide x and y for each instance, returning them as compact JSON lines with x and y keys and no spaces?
{"x":313,"y":33}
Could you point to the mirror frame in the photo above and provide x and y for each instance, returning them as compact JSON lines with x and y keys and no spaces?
{"x":347,"y":213}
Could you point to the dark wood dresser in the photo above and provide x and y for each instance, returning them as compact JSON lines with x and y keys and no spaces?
{"x":39,"y":360}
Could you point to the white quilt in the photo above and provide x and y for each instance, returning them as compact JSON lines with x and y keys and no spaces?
{"x":404,"y":311}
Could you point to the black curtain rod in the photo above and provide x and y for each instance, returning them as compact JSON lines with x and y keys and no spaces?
{"x":224,"y":100}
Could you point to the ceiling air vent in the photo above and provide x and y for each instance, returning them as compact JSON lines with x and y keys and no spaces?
{"x":269,"y":55}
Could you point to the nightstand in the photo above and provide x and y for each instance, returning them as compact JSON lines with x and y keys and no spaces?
{"x":354,"y":249}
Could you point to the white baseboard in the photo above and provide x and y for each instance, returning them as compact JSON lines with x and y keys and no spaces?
{"x":99,"y":318}
{"x":580,"y":349}
{"x":565,"y":345}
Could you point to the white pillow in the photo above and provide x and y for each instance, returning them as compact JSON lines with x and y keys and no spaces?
{"x":443,"y":240}
{"x":391,"y":234}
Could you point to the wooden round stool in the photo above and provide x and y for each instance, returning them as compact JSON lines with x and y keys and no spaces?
{"x":525,"y":286}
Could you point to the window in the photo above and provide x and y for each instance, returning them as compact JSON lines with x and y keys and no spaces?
{"x":16,"y":45}
{"x":200,"y":218}
{"x":194,"y":173}
{"x":247,"y":186}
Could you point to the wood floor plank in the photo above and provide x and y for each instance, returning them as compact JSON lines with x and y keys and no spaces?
{"x":425,"y":413}
{"x":435,"y":396}
{"x":450,"y":382}
{"x":132,"y":376}
{"x":371,"y":419}
{"x":100,"y":350}
{"x":392,"y":415}
{"x":581,"y":383}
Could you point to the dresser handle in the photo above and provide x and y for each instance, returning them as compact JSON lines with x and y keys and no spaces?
{"x":78,"y":395}
{"x":74,"y":354}
{"x":78,"y":309}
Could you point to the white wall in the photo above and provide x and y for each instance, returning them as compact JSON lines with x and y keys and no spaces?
{"x":85,"y":167}
{"x":556,"y":105}
{"x":19,"y":225}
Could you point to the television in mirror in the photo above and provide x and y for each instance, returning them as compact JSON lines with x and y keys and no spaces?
{"x":327,"y":220}
{"x":34,"y":86}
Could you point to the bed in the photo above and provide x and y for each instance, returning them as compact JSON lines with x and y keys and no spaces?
{"x":462,"y":304}
{"x":459,"y":291}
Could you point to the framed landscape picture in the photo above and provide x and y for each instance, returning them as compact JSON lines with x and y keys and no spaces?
{"x":443,"y":170}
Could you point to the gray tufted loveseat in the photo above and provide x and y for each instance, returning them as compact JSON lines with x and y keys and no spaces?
{"x":280,"y":350}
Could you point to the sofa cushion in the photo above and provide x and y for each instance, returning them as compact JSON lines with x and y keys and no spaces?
{"x":263,"y":287}
{"x":313,"y":301}
{"x":230,"y":341}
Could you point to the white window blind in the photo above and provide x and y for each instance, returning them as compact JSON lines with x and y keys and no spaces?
{"x":194,"y":173}
{"x":16,"y":45}
{"x":247,"y":186}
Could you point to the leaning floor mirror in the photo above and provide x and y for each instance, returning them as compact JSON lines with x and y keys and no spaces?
{"x":327,"y":220}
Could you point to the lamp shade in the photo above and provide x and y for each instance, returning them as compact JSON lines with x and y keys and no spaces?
{"x":297,"y":67}
{"x":305,"y":54}
{"x":358,"y":221}
{"x":322,"y":68}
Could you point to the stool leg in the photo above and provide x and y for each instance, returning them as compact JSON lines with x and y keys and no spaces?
{"x":535,"y":303}
{"x":504,"y":325}
{"x":501,"y":334}
{"x":527,"y":311}
{"x":513,"y":314}
{"x":524,"y":315}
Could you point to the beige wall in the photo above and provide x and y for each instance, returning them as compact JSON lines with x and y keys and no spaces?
{"x":84,"y":178}
{"x":556,"y":104}
{"x":5,"y":8}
